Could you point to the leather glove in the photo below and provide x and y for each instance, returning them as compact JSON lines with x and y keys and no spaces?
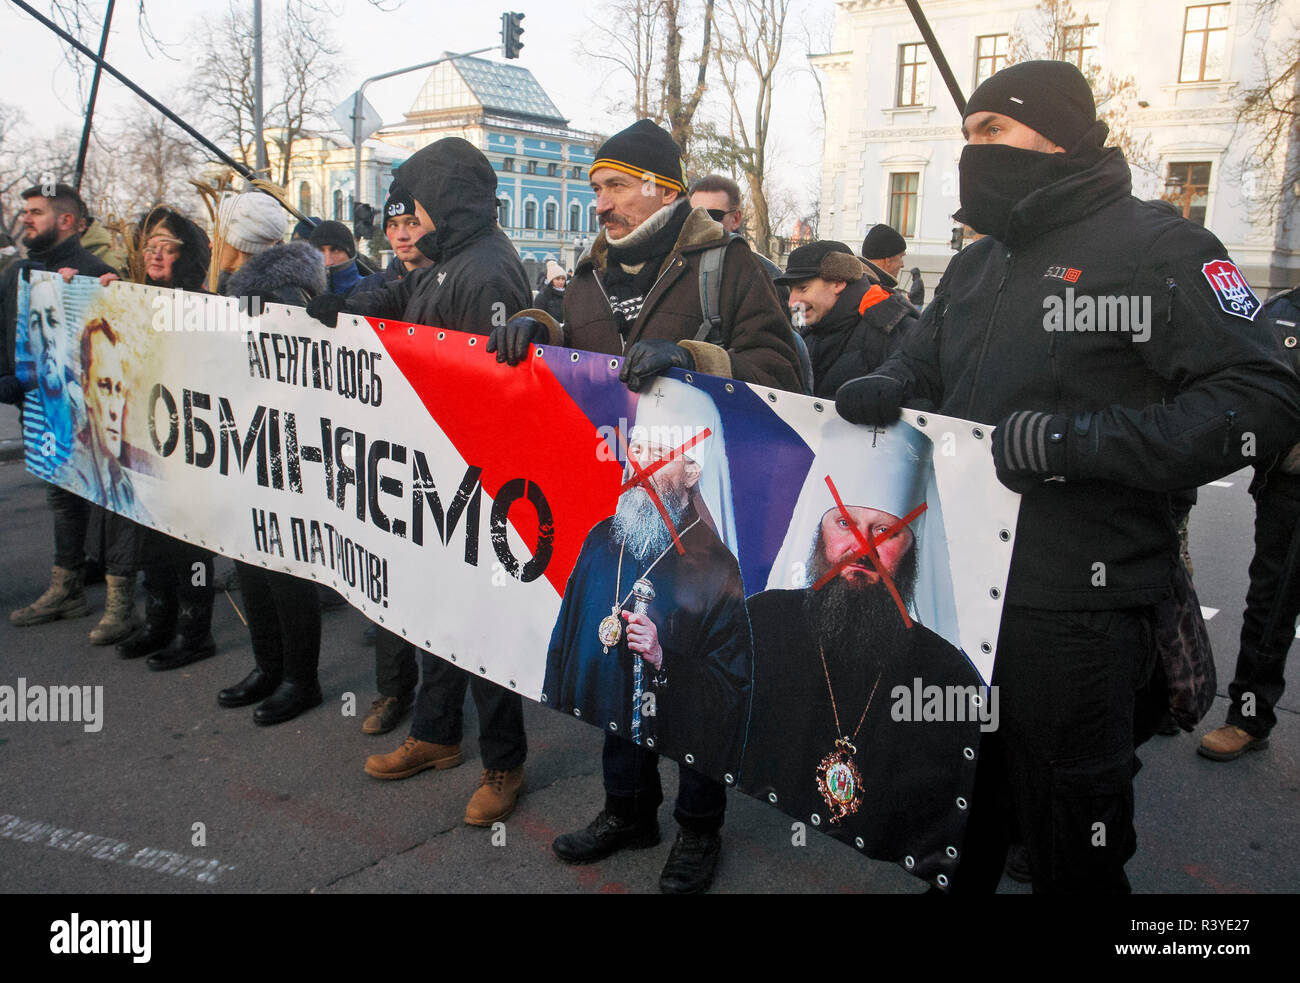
{"x":325,"y":308}
{"x":876,"y":400}
{"x":11,"y":390}
{"x":1029,"y":448}
{"x":512,"y":340}
{"x":647,"y":359}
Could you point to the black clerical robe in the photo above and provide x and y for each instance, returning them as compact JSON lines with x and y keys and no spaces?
{"x":700,"y":697}
{"x":913,"y":771}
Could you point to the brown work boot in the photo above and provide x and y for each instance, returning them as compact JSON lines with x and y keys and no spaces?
{"x":413,"y":757}
{"x":64,"y":598}
{"x":118,"y":621}
{"x":1228,"y":743}
{"x":386,"y":713}
{"x":497,"y":793}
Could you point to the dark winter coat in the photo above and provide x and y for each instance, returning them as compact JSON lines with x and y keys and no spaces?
{"x":853,"y":339}
{"x":393,"y":272}
{"x":758,"y":347}
{"x":477,"y":275}
{"x":551,"y":301}
{"x":1148,"y":417}
{"x":343,"y":279}
{"x":291,"y":274}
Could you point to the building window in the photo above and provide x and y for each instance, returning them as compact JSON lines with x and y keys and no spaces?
{"x":576,"y":174}
{"x":1188,"y":187}
{"x":575,"y":217}
{"x":552,"y":170}
{"x":503,"y":212}
{"x":990,"y":55}
{"x":508,"y":164}
{"x":902,"y":202}
{"x":1078,"y":43}
{"x":592,"y":224}
{"x":304,"y":198}
{"x":530,"y":215}
{"x":552,"y":216}
{"x":1205,"y":37}
{"x":532,"y":167}
{"x":338,"y":206}
{"x":911,"y":75}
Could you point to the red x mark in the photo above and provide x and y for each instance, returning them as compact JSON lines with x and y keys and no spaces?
{"x":642,"y":476}
{"x":868,"y":544}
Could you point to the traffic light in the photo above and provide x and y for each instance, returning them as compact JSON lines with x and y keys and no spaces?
{"x":512,"y":32}
{"x":363,"y":220}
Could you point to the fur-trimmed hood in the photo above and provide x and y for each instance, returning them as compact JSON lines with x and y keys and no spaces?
{"x":288,"y":266}
{"x":699,"y":232}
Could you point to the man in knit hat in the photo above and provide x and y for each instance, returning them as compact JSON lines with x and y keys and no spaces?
{"x":403,"y":229}
{"x":1098,"y":418}
{"x":637,"y":292}
{"x":339,"y":248}
{"x":883,"y":250}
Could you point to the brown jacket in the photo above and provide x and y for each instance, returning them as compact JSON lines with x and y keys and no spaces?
{"x":760,"y":347}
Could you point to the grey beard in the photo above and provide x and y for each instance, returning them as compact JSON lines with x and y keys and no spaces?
{"x":639,"y":527}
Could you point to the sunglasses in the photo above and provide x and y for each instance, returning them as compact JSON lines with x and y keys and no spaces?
{"x":718,"y":214}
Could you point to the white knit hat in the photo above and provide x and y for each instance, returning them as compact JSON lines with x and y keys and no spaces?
{"x":252,"y":222}
{"x":553,"y":270}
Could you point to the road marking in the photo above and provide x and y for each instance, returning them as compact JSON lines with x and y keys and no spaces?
{"x":1208,"y":613}
{"x":1221,"y":484}
{"x":115,"y":851}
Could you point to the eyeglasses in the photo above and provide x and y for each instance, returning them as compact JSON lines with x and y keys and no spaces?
{"x":718,"y":214}
{"x":168,"y":248}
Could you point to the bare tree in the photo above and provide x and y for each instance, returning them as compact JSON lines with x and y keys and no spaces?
{"x":297,"y":80}
{"x":643,"y":41}
{"x":1268,"y":122}
{"x":747,"y":62}
{"x":1055,"y":31}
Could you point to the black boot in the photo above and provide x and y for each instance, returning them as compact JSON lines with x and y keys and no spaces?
{"x":195,"y":639}
{"x":253,"y":688}
{"x":159,"y":620}
{"x":288,"y":700}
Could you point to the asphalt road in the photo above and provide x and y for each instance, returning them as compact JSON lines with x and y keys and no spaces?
{"x":289,"y":809}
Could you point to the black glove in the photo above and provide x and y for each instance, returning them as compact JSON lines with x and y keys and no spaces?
{"x":11,"y":390}
{"x":512,"y":340}
{"x":326,"y":308}
{"x":1029,"y":448}
{"x":872,"y":399}
{"x":647,"y":359}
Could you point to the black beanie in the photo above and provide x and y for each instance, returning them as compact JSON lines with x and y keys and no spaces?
{"x":825,"y":258}
{"x":334,"y":234}
{"x":644,"y":148}
{"x":1051,"y":97}
{"x":882,"y":242}
{"x":399,"y":203}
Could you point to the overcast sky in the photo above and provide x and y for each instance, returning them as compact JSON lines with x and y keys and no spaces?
{"x":34,"y":76}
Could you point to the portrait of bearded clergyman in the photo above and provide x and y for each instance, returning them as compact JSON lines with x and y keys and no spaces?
{"x":653,"y":644}
{"x":99,"y":469}
{"x":830,"y":657}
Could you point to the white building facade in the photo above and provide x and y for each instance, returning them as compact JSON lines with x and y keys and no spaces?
{"x":893,"y":135}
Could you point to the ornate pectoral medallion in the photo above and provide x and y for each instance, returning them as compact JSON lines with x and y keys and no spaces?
{"x":839,"y":781}
{"x":610,"y":630}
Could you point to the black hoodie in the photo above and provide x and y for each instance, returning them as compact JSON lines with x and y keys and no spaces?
{"x":476,"y":274}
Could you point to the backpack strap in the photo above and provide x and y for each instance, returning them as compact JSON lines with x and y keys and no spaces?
{"x":711,"y":292}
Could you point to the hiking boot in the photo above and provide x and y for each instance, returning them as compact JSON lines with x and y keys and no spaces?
{"x":118,"y":622}
{"x":1229,"y":743}
{"x":692,"y":863}
{"x":607,"y":834}
{"x":495,"y":798}
{"x":413,"y":757}
{"x":386,"y":713}
{"x":64,"y":598}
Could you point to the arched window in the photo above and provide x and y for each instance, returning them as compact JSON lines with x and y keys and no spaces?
{"x":552,"y":216}
{"x":304,"y":197}
{"x":592,"y":225}
{"x":503,"y":212}
{"x":530,"y":215}
{"x":575,"y":217}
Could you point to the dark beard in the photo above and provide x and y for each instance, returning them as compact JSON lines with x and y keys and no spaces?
{"x":857,"y":625}
{"x":639,"y":527}
{"x":42,"y":242}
